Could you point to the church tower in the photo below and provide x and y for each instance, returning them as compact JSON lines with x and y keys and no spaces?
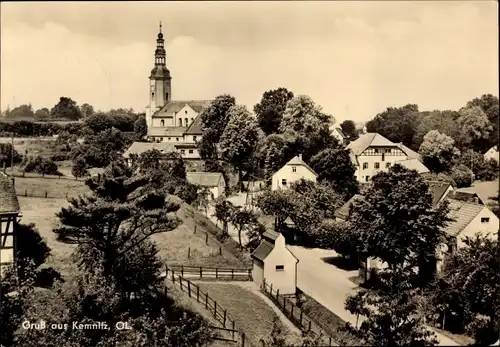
{"x":160,"y":81}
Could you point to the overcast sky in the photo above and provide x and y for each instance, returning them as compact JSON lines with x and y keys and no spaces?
{"x":353,"y":58}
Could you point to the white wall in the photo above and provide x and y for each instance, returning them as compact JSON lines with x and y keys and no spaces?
{"x":187,"y":154}
{"x":7,"y":254}
{"x":157,"y":122}
{"x":491,"y":154}
{"x":258,"y":272}
{"x":286,"y":172}
{"x":371,"y":160}
{"x":286,"y":280}
{"x":476,"y":227}
{"x":185,"y":112}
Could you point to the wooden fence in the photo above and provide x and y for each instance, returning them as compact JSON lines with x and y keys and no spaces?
{"x":228,"y":331}
{"x":199,"y":272}
{"x":45,"y":194}
{"x":22,"y":174}
{"x":296,"y":314}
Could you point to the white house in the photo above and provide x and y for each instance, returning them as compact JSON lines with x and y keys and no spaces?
{"x":337,"y":132}
{"x":292,"y":171}
{"x":9,"y":217}
{"x":273,"y":263}
{"x":492,"y":154}
{"x":372,"y":153}
{"x":214,"y":181}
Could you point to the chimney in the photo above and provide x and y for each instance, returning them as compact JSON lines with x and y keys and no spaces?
{"x":300,"y":156}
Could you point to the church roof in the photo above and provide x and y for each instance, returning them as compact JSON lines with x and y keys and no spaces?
{"x":172,"y":107}
{"x":167,"y":131}
{"x":195,"y":127}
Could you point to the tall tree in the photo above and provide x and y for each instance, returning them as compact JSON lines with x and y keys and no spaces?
{"x":66,"y":109}
{"x":475,"y":128}
{"x":21,"y":112}
{"x":140,"y":127}
{"x":270,"y":109}
{"x":395,"y":232}
{"x":277,"y":203}
{"x":239,"y":139}
{"x":276,"y":154}
{"x":349,"y":128}
{"x":87,"y":110}
{"x":224,"y":211}
{"x":243,"y":220}
{"x":396,"y":124}
{"x":217,"y":114}
{"x":80,"y":168}
{"x":443,"y":121}
{"x":489,"y":104}
{"x":334,"y":166}
{"x":42,"y":114}
{"x":438,"y":151}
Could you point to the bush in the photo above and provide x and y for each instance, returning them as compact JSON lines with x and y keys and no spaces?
{"x":42,"y":166}
{"x":462,"y":176}
{"x":60,"y":157}
{"x":80,"y":168}
{"x":8,"y":155}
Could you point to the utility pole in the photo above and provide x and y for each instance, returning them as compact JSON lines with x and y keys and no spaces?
{"x":12,"y":157}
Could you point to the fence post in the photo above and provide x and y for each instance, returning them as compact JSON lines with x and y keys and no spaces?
{"x":201,"y":272}
{"x":206,"y":238}
{"x":182,"y":270}
{"x":173,"y":276}
{"x":277,"y":295}
{"x":309,"y":325}
{"x":189,"y":287}
{"x":66,"y":195}
{"x":330,"y":341}
{"x":206,"y":300}
{"x":26,"y":192}
{"x":225,"y":313}
{"x":232,"y":274}
{"x":216,"y":273}
{"x":301,"y":316}
{"x":198,"y":293}
{"x":232,"y":332}
{"x":242,"y":339}
{"x":271,"y":292}
{"x":220,"y":250}
{"x":180,"y":281}
{"x":46,"y":194}
{"x":249,"y":274}
{"x":292,"y":310}
{"x":189,"y":252}
{"x":215,"y":310}
{"x":195,"y":229}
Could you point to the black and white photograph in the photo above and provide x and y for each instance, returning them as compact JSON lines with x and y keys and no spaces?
{"x":249,"y":173}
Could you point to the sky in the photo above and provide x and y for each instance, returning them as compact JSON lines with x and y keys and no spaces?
{"x":353,"y":58}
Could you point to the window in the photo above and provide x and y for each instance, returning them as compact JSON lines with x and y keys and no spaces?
{"x":183,"y":151}
{"x":186,"y":112}
{"x":180,"y":121}
{"x":283,"y":182}
{"x":377,"y":165}
{"x":190,"y":151}
{"x":194,"y":138}
{"x":280,"y":267}
{"x":367,"y":178}
{"x":161,"y":139}
{"x":186,"y":121}
{"x":192,"y":120}
{"x":162,"y":123}
{"x":294,"y":169}
{"x":170,"y":139}
{"x":166,"y":96}
{"x":485,"y":219}
{"x":387,"y":165}
{"x":153,"y":95}
{"x":177,"y":139}
{"x":376,"y":150}
{"x":365,"y":166}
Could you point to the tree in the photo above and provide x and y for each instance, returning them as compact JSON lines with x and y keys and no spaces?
{"x":140,"y":127}
{"x":276,"y":154}
{"x":42,"y":166}
{"x":98,"y":122}
{"x":438,"y":151}
{"x":489,"y":104}
{"x":277,"y":203}
{"x":462,"y":176}
{"x":475,"y":128}
{"x":80,"y":168}
{"x":334,"y":165}
{"x":349,"y":128}
{"x":66,"y":109}
{"x":239,"y":139}
{"x":391,"y":313}
{"x":440,"y":177}
{"x":395,"y":232}
{"x":42,"y":114}
{"x":443,"y":121}
{"x":482,"y":169}
{"x":21,"y":112}
{"x":243,"y":220}
{"x":224,"y":211}
{"x":306,"y":126}
{"x":112,"y":226}
{"x":270,"y":109}
{"x":87,"y":110}
{"x":217,"y":115}
{"x":208,"y":145}
{"x":30,"y":245}
{"x":8,"y":155}
{"x":397,"y":124}
{"x":469,"y":288}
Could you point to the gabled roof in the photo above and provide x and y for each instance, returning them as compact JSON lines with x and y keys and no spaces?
{"x":413,"y":164}
{"x":172,"y":107}
{"x":343,"y":211}
{"x":438,"y":190}
{"x":338,"y":129}
{"x":195,"y":127}
{"x":141,"y":147}
{"x":366,"y":140}
{"x":410,"y":153}
{"x":167,"y":131}
{"x":205,"y":179}
{"x":468,"y":196}
{"x":270,"y":235}
{"x":263,"y":250}
{"x":8,"y":198}
{"x":297,"y":161}
{"x":485,"y":190}
{"x":462,"y":213}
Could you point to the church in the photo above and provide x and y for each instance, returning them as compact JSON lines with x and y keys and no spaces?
{"x":175,"y":122}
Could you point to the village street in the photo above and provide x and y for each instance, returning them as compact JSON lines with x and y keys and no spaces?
{"x":326,"y":283}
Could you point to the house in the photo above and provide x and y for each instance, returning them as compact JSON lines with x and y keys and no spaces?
{"x":372,"y":153}
{"x":337,"y":132}
{"x":292,"y":171}
{"x":273,"y":263}
{"x":9,"y":217}
{"x":214,"y":181}
{"x":138,"y":148}
{"x":492,"y":153}
{"x":439,"y":191}
{"x":469,"y":219}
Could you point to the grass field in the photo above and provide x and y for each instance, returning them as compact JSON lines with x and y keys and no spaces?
{"x":250,"y":312}
{"x":34,"y":146}
{"x":55,"y":188}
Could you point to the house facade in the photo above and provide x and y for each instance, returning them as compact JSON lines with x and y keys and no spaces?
{"x":9,"y":217}
{"x":492,"y":153}
{"x":214,"y":181}
{"x":292,"y":171}
{"x":273,"y":263}
{"x":372,"y":153}
{"x":171,"y":121}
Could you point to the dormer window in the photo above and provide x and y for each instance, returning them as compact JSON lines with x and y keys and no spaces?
{"x":294,"y":169}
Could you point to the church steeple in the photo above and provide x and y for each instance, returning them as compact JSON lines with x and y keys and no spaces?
{"x":160,"y":79}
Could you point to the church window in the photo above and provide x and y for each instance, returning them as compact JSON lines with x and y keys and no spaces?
{"x":186,"y":121}
{"x":180,"y":121}
{"x":162,"y":122}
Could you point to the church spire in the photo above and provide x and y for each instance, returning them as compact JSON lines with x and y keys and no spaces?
{"x":160,"y":79}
